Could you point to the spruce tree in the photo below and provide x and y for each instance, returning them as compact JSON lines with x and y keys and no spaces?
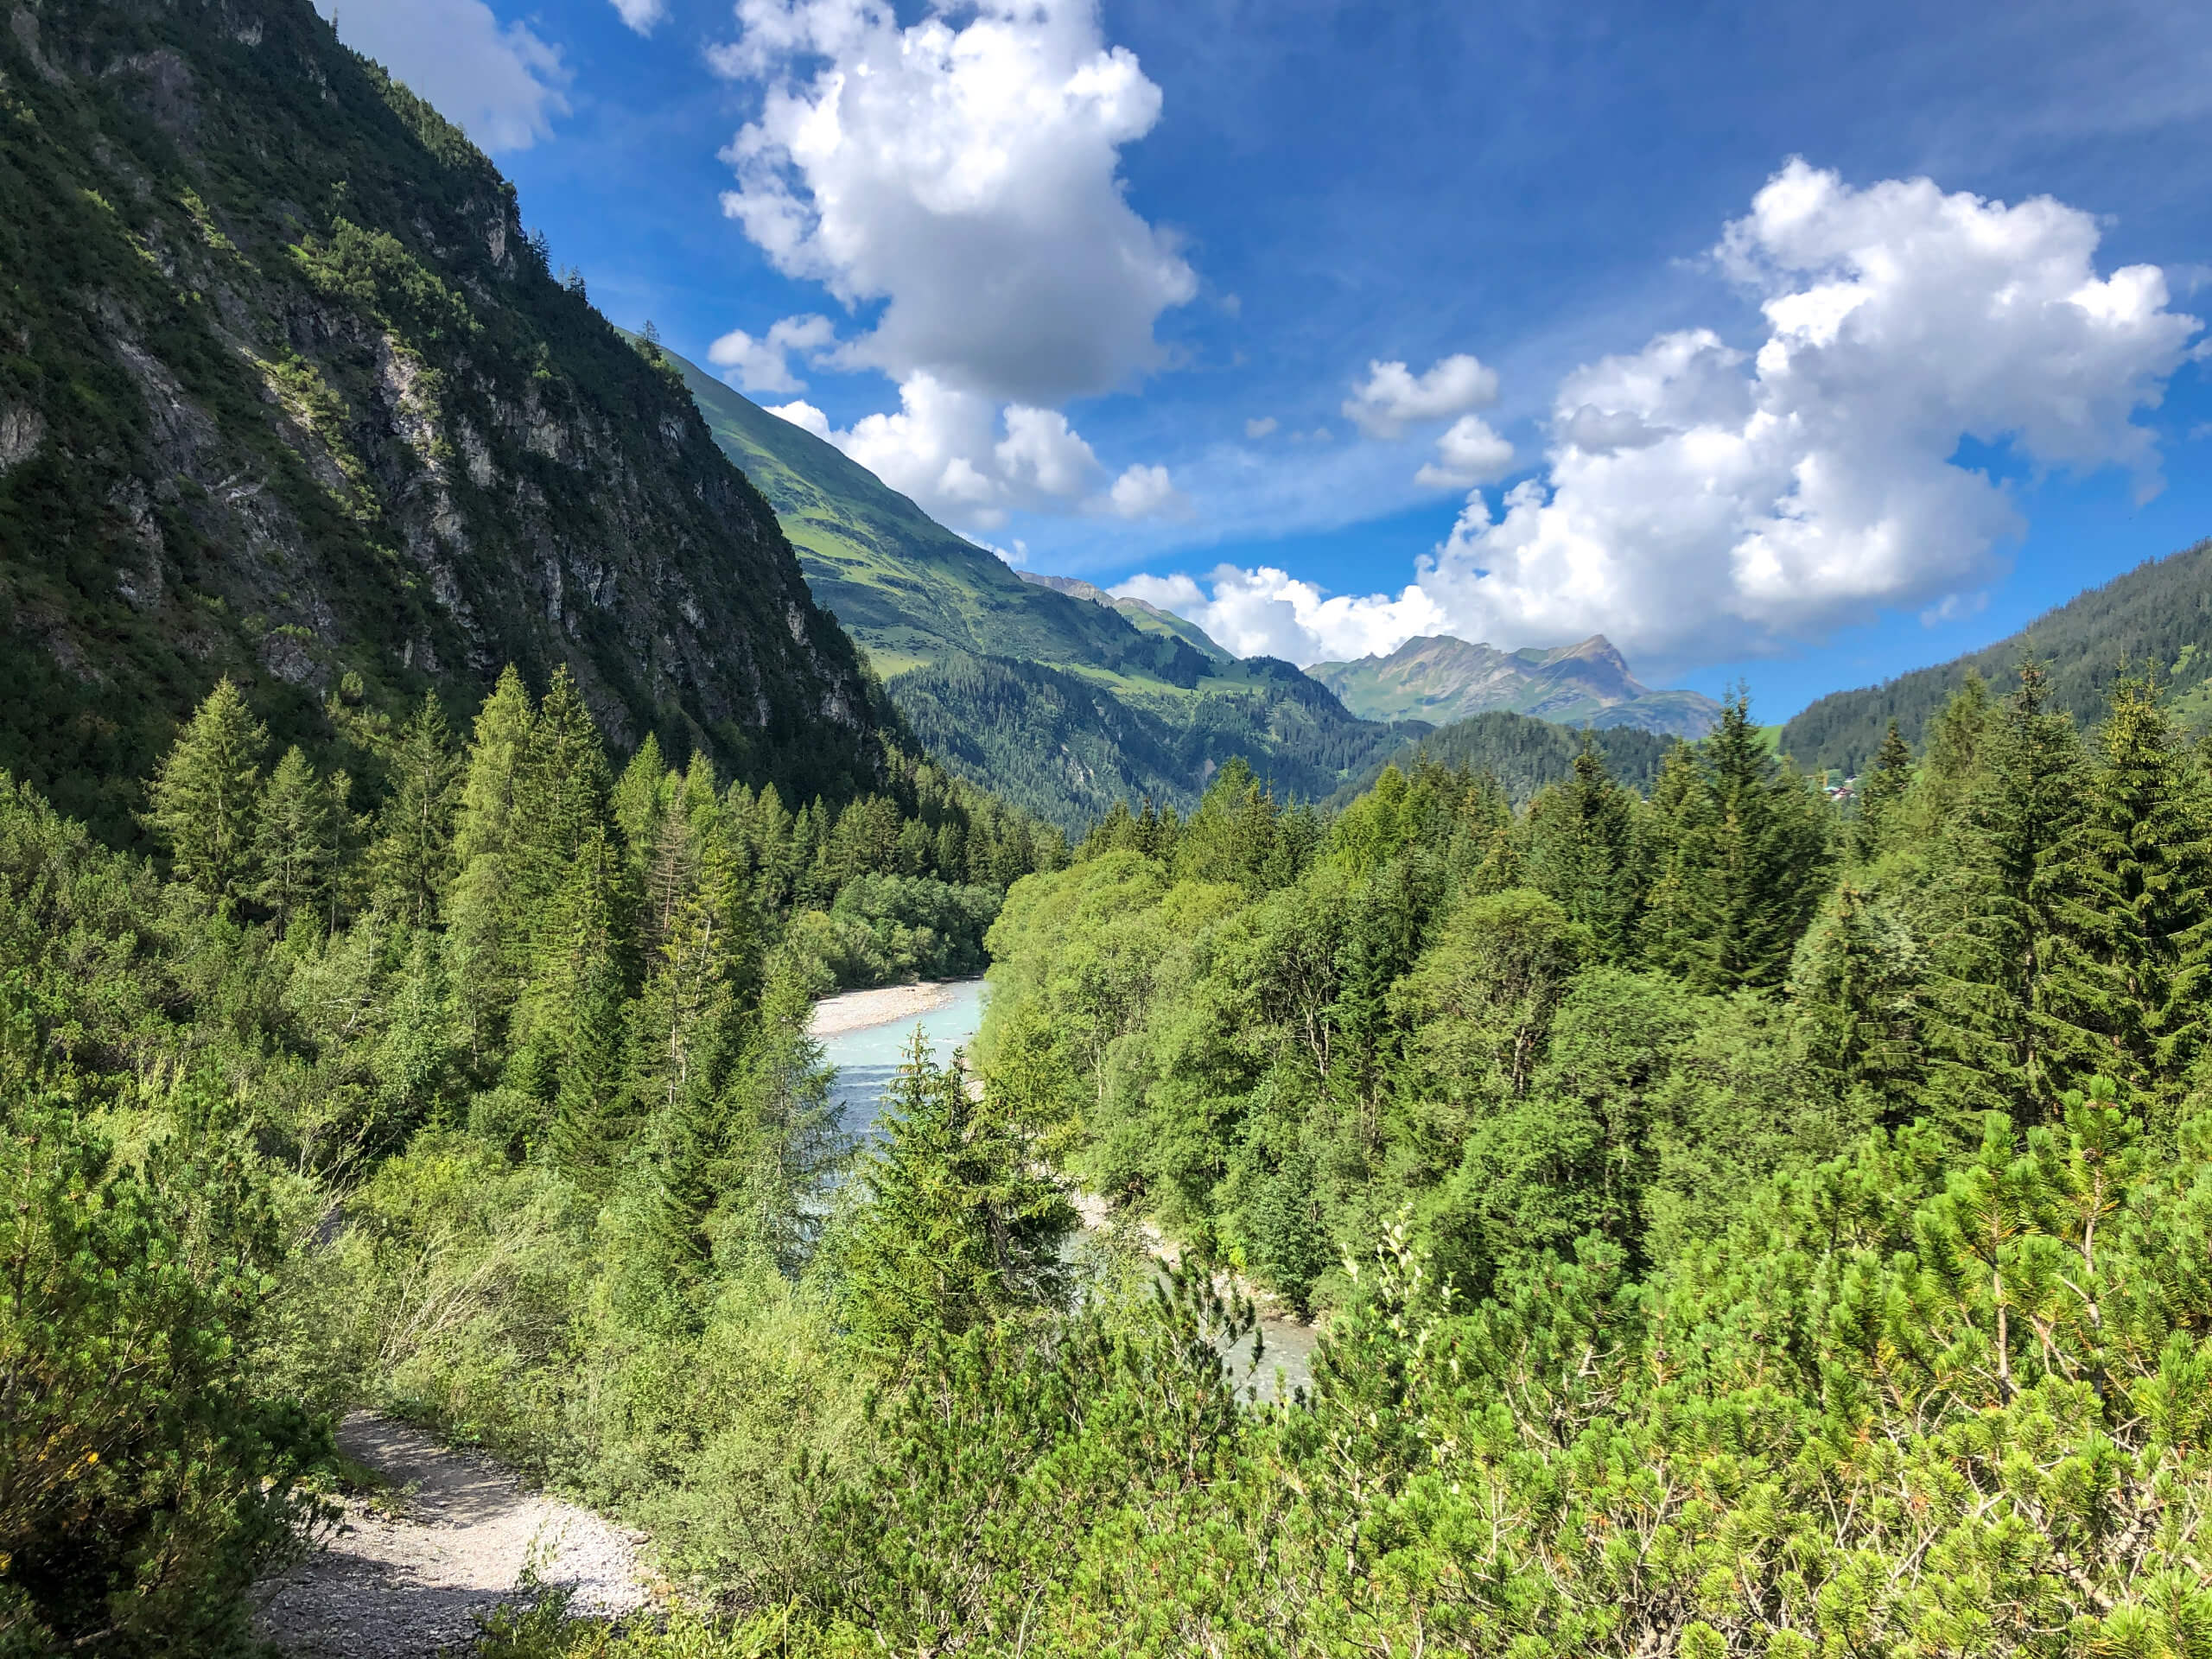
{"x":205,"y":793}
{"x":1583,"y":852}
{"x":561,"y":790}
{"x":1665,"y":934}
{"x":1990,"y":906}
{"x":570,"y":1026}
{"x":640,"y":801}
{"x":483,"y":911}
{"x":956,"y":1227}
{"x":1746,"y":863}
{"x":1859,"y":975}
{"x":413,"y":856}
{"x":1881,"y":795}
{"x":1951,"y":757}
{"x":496,"y":751}
{"x":2131,"y":975}
{"x":294,"y":841}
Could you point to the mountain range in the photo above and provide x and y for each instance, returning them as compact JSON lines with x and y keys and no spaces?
{"x":1051,"y":692}
{"x":1441,"y":679}
{"x":286,"y":394}
{"x":2156,"y":620}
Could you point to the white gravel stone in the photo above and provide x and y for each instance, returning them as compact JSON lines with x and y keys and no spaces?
{"x":410,"y":1572}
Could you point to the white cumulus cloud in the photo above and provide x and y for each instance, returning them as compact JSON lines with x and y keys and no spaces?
{"x":964,"y":457}
{"x":642,"y":15}
{"x":1701,"y":501}
{"x":965,"y":177}
{"x":1467,"y":454}
{"x":763,"y":362}
{"x":501,"y":83}
{"x":1260,"y":427}
{"x":802,"y":414}
{"x":959,"y":176}
{"x":1392,"y":398}
{"x":1270,"y":612}
{"x":1146,"y":492}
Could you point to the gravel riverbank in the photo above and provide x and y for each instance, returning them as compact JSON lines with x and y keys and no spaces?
{"x":850,"y":1011}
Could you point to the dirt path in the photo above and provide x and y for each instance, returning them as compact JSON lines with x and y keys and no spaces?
{"x":407,"y":1572}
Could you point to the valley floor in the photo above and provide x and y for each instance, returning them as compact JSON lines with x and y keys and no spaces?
{"x":409,"y":1569}
{"x":851,"y":1011}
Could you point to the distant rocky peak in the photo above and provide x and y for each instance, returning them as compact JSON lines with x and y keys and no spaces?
{"x":1441,"y":678}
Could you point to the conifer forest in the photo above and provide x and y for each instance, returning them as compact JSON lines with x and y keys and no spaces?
{"x":1745,"y":1196}
{"x":1738,"y":1226}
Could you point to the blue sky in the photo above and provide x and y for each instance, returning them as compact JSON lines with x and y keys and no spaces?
{"x":1257,"y":307}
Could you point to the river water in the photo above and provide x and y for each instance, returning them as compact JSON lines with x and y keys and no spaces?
{"x":867,"y":1056}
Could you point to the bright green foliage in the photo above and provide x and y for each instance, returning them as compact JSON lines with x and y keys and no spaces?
{"x":1748,"y":851}
{"x":295,"y":843}
{"x":487,"y":928}
{"x":955,"y":1229}
{"x":1861,"y":972}
{"x":2137,"y":904}
{"x":1584,"y":852}
{"x":561,"y":789}
{"x":202,"y":800}
{"x":414,"y":851}
{"x":535,"y":1146}
{"x":569,"y":1025}
{"x":143,"y":1478}
{"x":1991,"y":913}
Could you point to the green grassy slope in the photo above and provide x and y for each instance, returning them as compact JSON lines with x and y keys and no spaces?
{"x":1047,"y":690}
{"x":2158,"y":618}
{"x":903,"y":585}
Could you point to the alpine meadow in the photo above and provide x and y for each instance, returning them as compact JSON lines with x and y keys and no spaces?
{"x":623,"y":1038}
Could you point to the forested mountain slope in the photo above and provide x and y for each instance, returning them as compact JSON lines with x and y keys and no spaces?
{"x":1049,"y":692}
{"x":2157,"y":618}
{"x":1141,"y":614}
{"x":1525,"y":753}
{"x":906,"y":587}
{"x":286,"y":393}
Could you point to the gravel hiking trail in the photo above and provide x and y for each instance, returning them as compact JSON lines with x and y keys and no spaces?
{"x":409,"y":1570}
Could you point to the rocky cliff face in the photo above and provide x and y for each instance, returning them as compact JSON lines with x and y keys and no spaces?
{"x":1441,"y":679}
{"x":286,"y":392}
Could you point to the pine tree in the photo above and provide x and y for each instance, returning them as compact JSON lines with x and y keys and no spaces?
{"x":205,"y":794}
{"x":1881,"y":794}
{"x":1989,"y":909}
{"x":413,"y":856}
{"x":957,"y":1228}
{"x":1583,"y":852}
{"x":2137,"y":910}
{"x":295,"y":842}
{"x":483,"y":911}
